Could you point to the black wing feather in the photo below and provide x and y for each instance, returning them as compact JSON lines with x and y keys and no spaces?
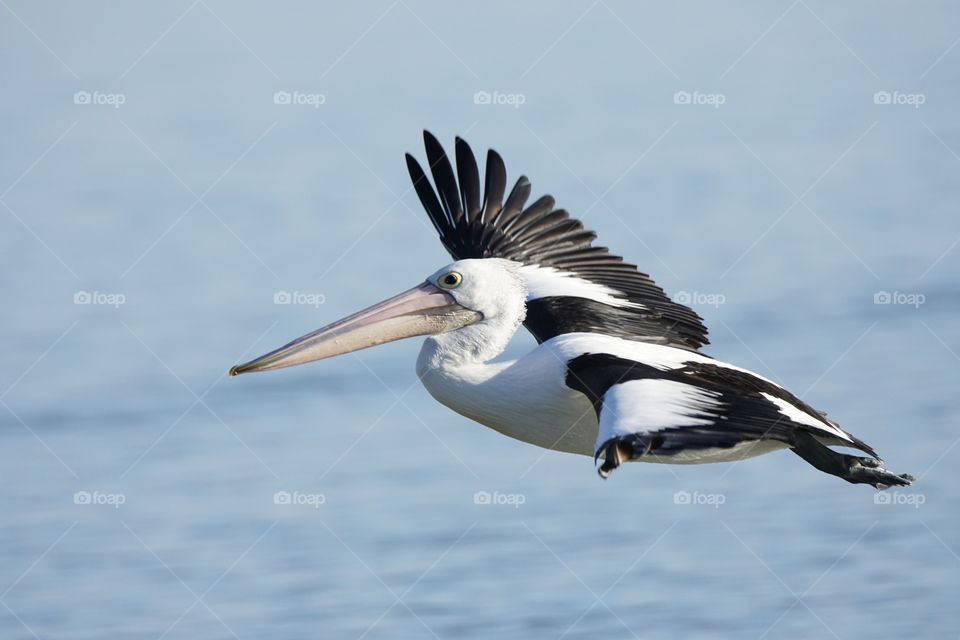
{"x":469,"y":180}
{"x":495,"y":185}
{"x":444,"y":178}
{"x":471,"y":226}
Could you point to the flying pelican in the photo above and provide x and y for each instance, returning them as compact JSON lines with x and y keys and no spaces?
{"x":618,"y":372}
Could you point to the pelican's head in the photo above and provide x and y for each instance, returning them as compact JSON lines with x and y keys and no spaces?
{"x":492,"y":287}
{"x":487,"y":293}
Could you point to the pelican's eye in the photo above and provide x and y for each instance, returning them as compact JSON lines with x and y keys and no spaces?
{"x":450,"y":280}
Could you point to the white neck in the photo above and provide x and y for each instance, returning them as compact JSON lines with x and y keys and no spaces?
{"x":470,"y":345}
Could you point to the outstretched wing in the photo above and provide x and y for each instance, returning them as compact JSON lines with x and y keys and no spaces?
{"x":697,"y":412}
{"x":572,"y":285}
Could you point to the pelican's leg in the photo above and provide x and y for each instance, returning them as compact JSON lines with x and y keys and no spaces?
{"x":613,"y":453}
{"x":854,"y":469}
{"x":622,"y":448}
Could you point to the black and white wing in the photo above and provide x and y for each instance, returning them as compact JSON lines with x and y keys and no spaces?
{"x":698,"y":412}
{"x":572,"y":285}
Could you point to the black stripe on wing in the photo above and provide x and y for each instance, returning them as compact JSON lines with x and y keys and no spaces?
{"x":741,"y":412}
{"x":501,"y":225}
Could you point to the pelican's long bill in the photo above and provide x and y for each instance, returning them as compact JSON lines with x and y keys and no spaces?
{"x":425,"y":309}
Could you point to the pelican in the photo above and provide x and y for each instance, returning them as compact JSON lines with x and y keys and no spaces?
{"x":618,"y":372}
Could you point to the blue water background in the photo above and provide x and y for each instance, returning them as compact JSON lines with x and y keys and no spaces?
{"x":781,"y":213}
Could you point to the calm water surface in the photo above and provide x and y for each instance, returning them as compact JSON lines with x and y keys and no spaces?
{"x":147,"y":495}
